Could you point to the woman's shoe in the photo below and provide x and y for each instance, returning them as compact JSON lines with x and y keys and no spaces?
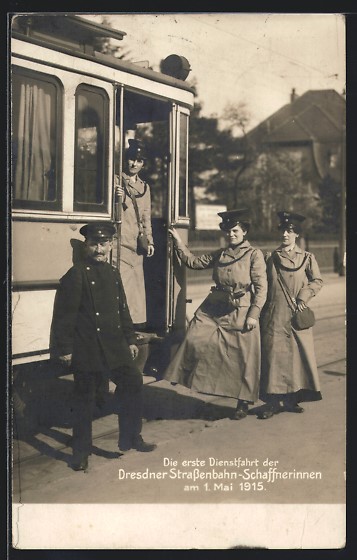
{"x":268,"y":412}
{"x":293,"y":408}
{"x":241,"y":411}
{"x":239,"y":414}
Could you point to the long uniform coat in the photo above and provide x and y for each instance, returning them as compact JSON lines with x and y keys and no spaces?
{"x":91,"y":320}
{"x":131,"y":263}
{"x":218,"y":356}
{"x":288,"y":355}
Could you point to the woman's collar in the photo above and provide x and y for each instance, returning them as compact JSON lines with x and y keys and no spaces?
{"x":242,"y":245}
{"x":295,"y":249}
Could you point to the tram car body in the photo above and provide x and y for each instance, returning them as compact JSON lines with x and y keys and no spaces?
{"x":73,"y":110}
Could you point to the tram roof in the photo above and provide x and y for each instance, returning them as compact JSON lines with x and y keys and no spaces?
{"x":66,"y":26}
{"x":76,"y":35}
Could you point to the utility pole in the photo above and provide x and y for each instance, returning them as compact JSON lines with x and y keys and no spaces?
{"x":342,"y":251}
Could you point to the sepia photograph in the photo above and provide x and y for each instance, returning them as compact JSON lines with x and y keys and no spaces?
{"x":178,"y":280}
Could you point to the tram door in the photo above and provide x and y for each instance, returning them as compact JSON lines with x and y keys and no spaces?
{"x":153,"y":122}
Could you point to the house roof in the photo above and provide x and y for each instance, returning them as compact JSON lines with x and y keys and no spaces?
{"x":317,"y":115}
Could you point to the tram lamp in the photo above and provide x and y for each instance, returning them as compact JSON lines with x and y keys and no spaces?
{"x":175,"y":66}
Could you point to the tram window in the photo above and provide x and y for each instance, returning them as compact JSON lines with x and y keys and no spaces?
{"x":36,"y":122}
{"x":91,"y":150}
{"x":183,"y":194}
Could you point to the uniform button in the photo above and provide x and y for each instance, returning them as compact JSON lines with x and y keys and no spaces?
{"x":118,"y":326}
{"x":92,"y":282}
{"x":98,"y":329}
{"x":97,"y":313}
{"x":118,"y":312}
{"x":88,"y":267}
{"x":117,"y":297}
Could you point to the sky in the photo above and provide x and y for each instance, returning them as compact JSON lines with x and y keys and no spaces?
{"x":251,"y":58}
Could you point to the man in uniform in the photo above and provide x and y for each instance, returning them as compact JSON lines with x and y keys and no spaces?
{"x":92,"y":332}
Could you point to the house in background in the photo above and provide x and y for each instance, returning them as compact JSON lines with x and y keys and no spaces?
{"x":310,"y":128}
{"x":311,"y":131}
{"x":292,"y":160}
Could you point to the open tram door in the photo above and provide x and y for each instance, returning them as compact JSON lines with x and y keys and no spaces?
{"x":162,"y":126}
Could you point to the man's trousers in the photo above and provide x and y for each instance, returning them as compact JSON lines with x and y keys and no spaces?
{"x":90,"y":389}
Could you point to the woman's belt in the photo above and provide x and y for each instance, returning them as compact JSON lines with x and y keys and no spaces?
{"x":235,"y":295}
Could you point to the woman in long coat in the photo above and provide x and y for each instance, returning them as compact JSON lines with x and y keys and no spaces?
{"x":131,"y":261}
{"x":220,"y":354}
{"x":289,"y":370}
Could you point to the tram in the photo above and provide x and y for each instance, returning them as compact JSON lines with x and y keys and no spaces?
{"x":73,"y":110}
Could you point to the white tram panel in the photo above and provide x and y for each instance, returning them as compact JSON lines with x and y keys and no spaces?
{"x":101,"y":69}
{"x":30,"y":331}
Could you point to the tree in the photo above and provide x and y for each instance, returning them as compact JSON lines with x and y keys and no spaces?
{"x":240,"y":154}
{"x":106,"y":46}
{"x":274,"y":182}
{"x":330,"y":195}
{"x":264,"y":179}
{"x":238,"y":116}
{"x":210,"y":151}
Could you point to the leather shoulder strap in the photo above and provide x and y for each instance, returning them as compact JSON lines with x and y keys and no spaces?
{"x":249,"y":249}
{"x":135,"y":204}
{"x":290,"y":299}
{"x":306,"y":256}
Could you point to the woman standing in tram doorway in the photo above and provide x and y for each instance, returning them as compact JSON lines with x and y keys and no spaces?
{"x":289,"y":370}
{"x":136,"y":223}
{"x":220,"y":354}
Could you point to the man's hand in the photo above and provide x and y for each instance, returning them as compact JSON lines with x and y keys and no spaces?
{"x":251,"y":323}
{"x":134,"y":350}
{"x":66,"y":360}
{"x":151,"y":251}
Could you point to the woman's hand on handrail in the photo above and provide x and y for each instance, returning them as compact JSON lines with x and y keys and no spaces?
{"x":119,"y":189}
{"x":174,"y":234}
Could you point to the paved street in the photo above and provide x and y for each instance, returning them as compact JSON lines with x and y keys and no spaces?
{"x":204,"y":457}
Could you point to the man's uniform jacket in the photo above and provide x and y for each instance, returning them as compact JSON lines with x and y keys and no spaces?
{"x":91,"y":319}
